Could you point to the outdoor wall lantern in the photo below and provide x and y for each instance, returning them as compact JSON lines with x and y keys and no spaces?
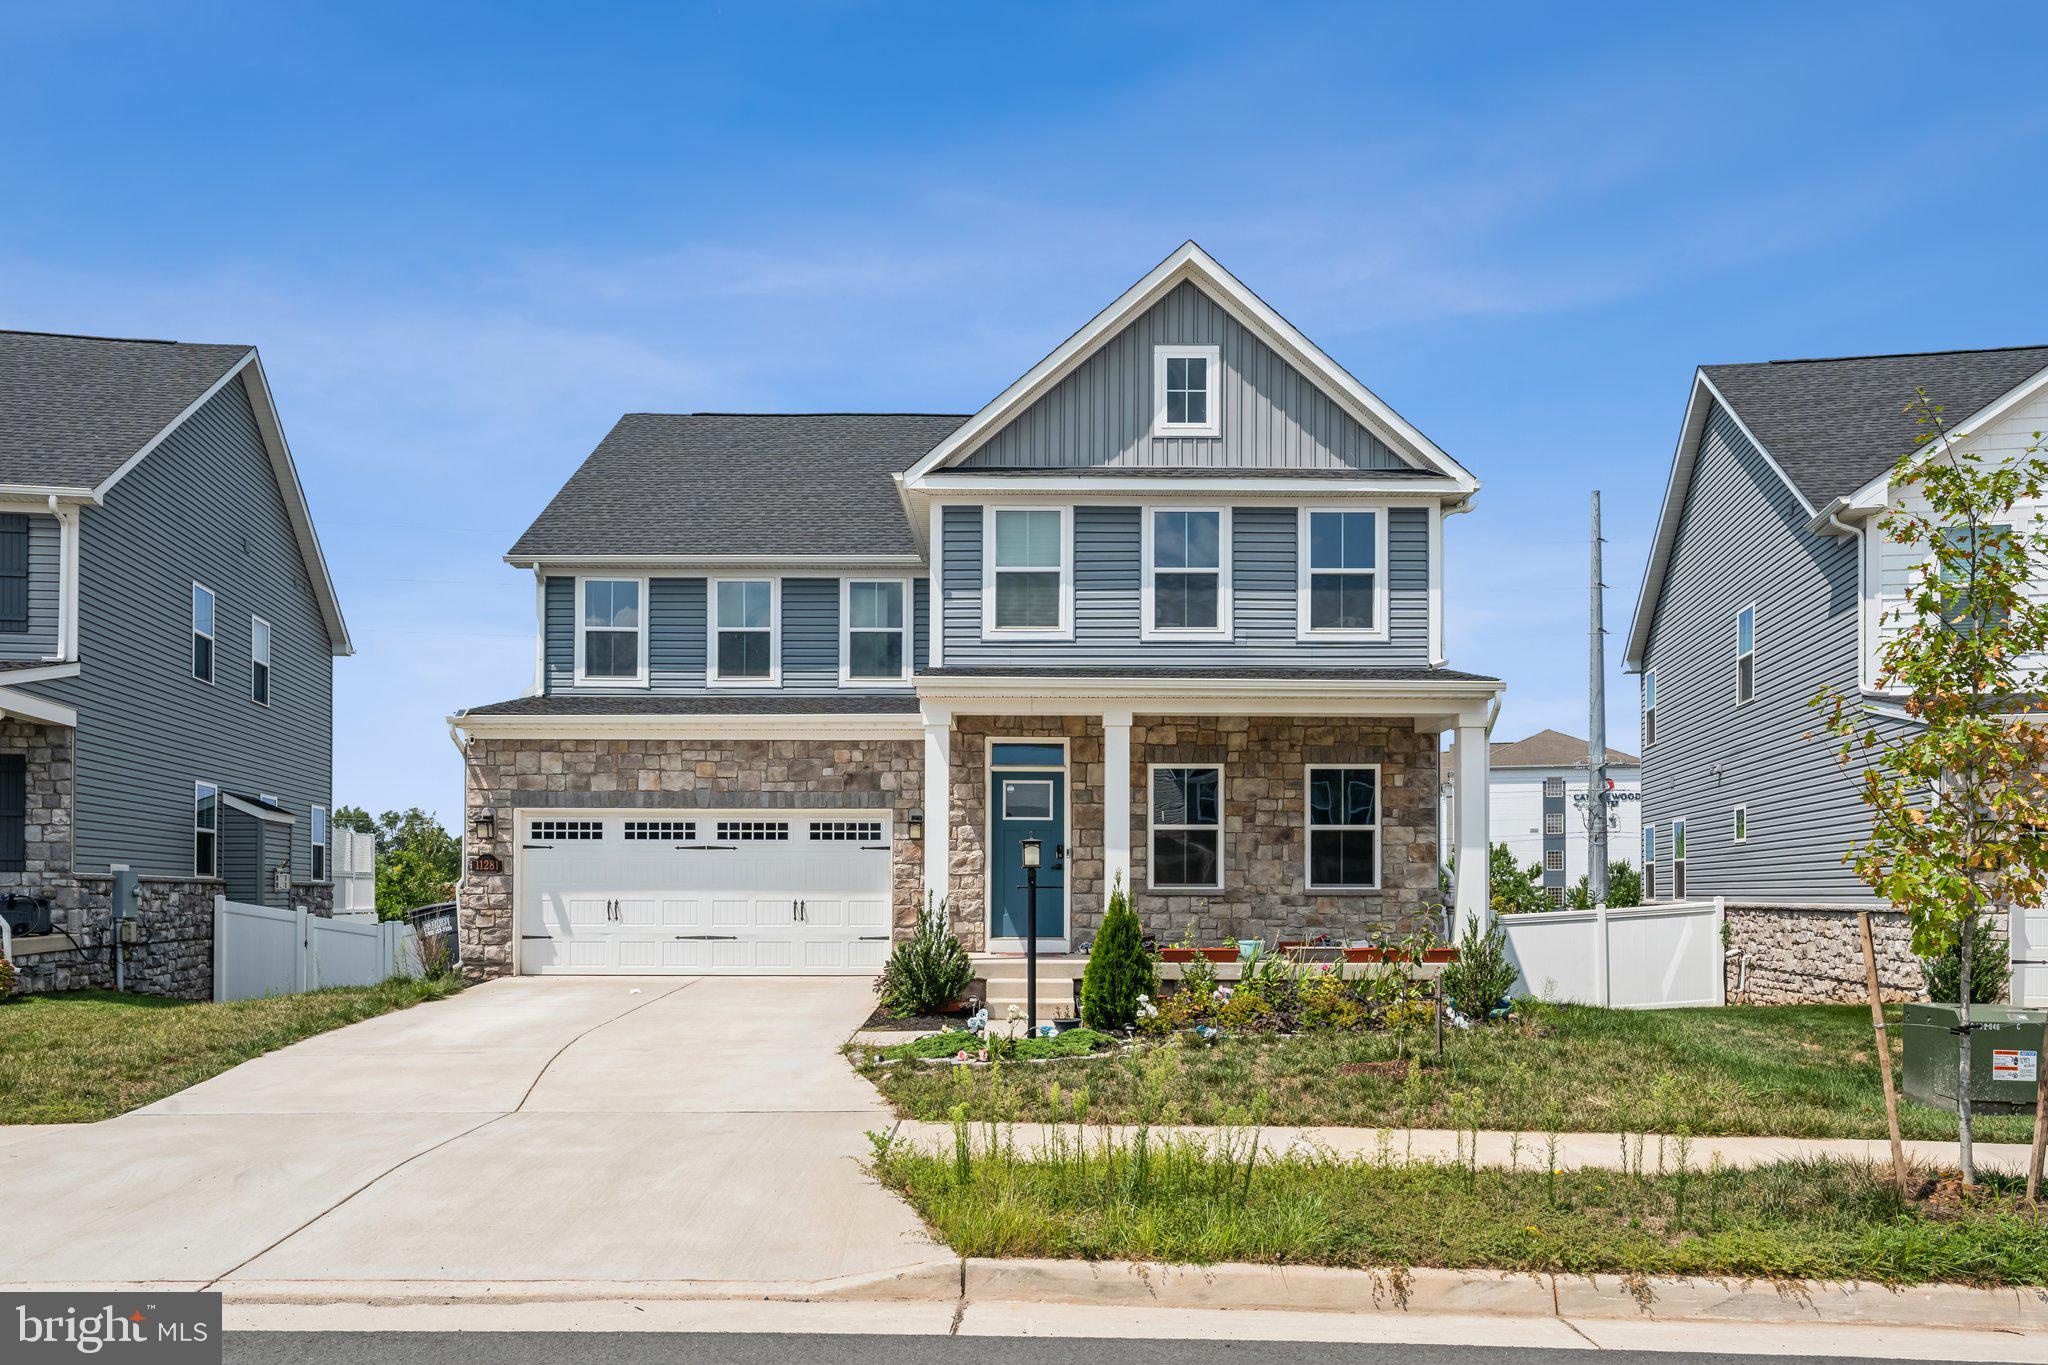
{"x":485,"y":826}
{"x":915,"y":825}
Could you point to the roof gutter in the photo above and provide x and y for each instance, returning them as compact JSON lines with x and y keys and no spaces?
{"x":1828,"y":521}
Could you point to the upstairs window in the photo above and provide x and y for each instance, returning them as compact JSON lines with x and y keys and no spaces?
{"x":1341,"y":584}
{"x":1745,"y":655}
{"x":1958,"y":611}
{"x":259,"y":661}
{"x":611,"y":635}
{"x":743,"y":630}
{"x":875,"y":615}
{"x":202,"y":632}
{"x":1343,"y":829}
{"x":317,"y":824}
{"x":1184,"y":391}
{"x":205,"y":830}
{"x":1649,"y":708}
{"x":1026,"y":582}
{"x":1187,"y":570}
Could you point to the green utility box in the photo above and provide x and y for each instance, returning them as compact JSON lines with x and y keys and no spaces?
{"x":2005,"y":1057}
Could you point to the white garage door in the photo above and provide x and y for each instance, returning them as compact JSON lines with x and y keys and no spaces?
{"x":755,"y":891}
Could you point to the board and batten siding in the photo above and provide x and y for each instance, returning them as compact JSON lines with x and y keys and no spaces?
{"x":677,"y":644}
{"x":1108,"y":603}
{"x":204,"y":505}
{"x":1742,"y":540}
{"x":1271,"y":415}
{"x":45,"y":585}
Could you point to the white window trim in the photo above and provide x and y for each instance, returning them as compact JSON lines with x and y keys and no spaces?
{"x":1649,"y":695}
{"x":1034,"y":782}
{"x":1553,"y":823}
{"x":1378,"y":828}
{"x":711,"y":674}
{"x":846,"y":678}
{"x":1152,"y":827}
{"x":639,"y":679}
{"x":198,"y":786}
{"x":1223,"y":629}
{"x":212,"y":637}
{"x":1738,"y":825}
{"x":1214,"y":425}
{"x":1065,"y":629}
{"x":1380,"y":632}
{"x":1741,"y":700}
{"x":1553,"y":860}
{"x":269,"y":673}
{"x":318,"y":821}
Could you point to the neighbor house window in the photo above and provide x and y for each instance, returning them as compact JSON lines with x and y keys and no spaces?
{"x":317,"y":825}
{"x":1958,"y":611}
{"x":1184,"y":388}
{"x":202,"y":632}
{"x":259,"y":660}
{"x":1649,"y":708}
{"x":1187,"y":571}
{"x":1741,"y":824}
{"x":1187,"y":828}
{"x":1678,"y":860}
{"x":1553,"y":786}
{"x":205,"y":830}
{"x":1553,"y":860}
{"x":874,"y":647}
{"x":1341,"y":582}
{"x":1553,"y":823}
{"x":1343,"y":828}
{"x":743,"y":616}
{"x":1026,"y":582}
{"x":1745,"y":654}
{"x":1649,"y":862}
{"x":611,"y":635}
{"x":1555,"y":894}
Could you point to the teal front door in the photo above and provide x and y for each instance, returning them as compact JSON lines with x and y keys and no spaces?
{"x":1027,"y":803}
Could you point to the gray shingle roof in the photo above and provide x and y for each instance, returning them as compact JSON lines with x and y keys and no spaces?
{"x":1550,"y":749}
{"x":1834,"y":425}
{"x":740,"y":483}
{"x":73,"y":409}
{"x":843,"y":704}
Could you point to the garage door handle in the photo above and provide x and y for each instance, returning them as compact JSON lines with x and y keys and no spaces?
{"x":874,"y":938}
{"x":710,"y":848}
{"x":536,"y":845}
{"x":875,"y":848}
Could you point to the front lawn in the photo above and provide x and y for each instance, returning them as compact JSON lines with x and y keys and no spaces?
{"x":1781,"y":1070}
{"x":1173,"y":1202}
{"x":81,"y":1056}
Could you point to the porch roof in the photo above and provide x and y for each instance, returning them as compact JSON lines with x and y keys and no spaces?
{"x":1157,"y":673}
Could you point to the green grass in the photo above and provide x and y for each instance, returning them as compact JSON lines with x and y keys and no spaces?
{"x":1172,"y":1202}
{"x":81,"y":1056}
{"x":1788,"y":1071}
{"x":1078,"y":1042}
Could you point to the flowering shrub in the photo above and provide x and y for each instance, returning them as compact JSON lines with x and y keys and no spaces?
{"x":6,"y":978}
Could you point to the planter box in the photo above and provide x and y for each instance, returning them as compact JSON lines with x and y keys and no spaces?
{"x":1229,"y":954}
{"x":1369,"y":955}
{"x":1176,"y":954}
{"x":1440,"y":955}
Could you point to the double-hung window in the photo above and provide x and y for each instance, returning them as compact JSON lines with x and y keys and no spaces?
{"x":1649,"y":862}
{"x":1344,"y":828}
{"x":205,"y":830}
{"x":1678,"y":860}
{"x":611,"y":630}
{"x":1187,"y":572}
{"x":743,"y":629}
{"x":202,"y":632}
{"x":875,"y":645}
{"x":1649,"y":707}
{"x":1745,"y":654}
{"x":1960,"y":609}
{"x":1027,"y":581}
{"x":259,"y":661}
{"x":1184,"y":391}
{"x":317,"y":826}
{"x":1342,"y":580}
{"x":1187,"y":829}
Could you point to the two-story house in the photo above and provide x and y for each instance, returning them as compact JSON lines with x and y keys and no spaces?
{"x":168,"y":632}
{"x":1769,"y":579}
{"x":1171,"y":605}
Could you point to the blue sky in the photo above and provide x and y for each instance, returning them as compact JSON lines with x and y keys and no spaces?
{"x":467,"y":237}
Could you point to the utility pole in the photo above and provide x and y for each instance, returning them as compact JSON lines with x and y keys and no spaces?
{"x":1596,"y":732}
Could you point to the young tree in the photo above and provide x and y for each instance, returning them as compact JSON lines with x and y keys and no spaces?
{"x":1959,"y":812}
{"x":1513,"y":890}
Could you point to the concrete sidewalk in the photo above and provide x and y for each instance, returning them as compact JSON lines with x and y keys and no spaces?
{"x":1602,"y":1151}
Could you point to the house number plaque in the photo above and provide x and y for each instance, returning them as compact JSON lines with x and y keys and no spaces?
{"x":487,"y":863}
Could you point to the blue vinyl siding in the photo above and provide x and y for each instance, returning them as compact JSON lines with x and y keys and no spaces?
{"x":39,"y":641}
{"x":204,"y":505}
{"x":1108,"y":605}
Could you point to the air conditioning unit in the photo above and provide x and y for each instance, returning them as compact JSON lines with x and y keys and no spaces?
{"x":25,"y":914}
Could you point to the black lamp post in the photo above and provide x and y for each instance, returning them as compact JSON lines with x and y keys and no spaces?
{"x":1031,"y":850}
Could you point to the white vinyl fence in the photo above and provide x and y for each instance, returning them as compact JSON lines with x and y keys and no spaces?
{"x":259,"y":951}
{"x":1645,"y":957}
{"x":354,"y":872}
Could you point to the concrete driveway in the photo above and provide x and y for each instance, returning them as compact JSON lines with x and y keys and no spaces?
{"x":556,"y":1130}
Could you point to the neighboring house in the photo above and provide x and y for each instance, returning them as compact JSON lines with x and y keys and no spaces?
{"x":1769,"y":580}
{"x":167,"y":641}
{"x":1170,"y":604}
{"x":1538,"y":808}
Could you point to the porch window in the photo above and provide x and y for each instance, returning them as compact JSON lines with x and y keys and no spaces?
{"x":874,"y":647}
{"x":202,"y":632}
{"x":1187,"y":571}
{"x":612,"y":630}
{"x":1028,"y":570}
{"x":1341,"y":585}
{"x":259,"y":661}
{"x":317,"y":825}
{"x":743,"y":630}
{"x":205,"y":830}
{"x":1187,"y":829}
{"x":1344,"y":828}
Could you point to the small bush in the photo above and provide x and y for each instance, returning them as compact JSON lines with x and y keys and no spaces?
{"x":927,"y":971}
{"x":7,"y":979}
{"x":1482,"y":976}
{"x":1119,"y":969}
{"x":1988,"y":955}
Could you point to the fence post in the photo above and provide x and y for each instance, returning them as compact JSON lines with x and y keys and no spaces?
{"x":299,"y":950}
{"x":1600,"y":956}
{"x":220,"y":939}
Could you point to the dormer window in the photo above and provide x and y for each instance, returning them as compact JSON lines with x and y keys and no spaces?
{"x":1184,"y":391}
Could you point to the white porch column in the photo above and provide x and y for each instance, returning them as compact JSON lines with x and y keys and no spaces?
{"x":1116,"y":802}
{"x":1473,"y":904}
{"x":938,"y":804}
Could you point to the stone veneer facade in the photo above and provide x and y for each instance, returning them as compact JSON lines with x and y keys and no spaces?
{"x":1780,"y":955}
{"x":506,"y":775}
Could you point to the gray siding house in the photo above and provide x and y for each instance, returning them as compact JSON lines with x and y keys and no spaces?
{"x":168,"y":632}
{"x":1769,"y":580}
{"x":1170,"y":605}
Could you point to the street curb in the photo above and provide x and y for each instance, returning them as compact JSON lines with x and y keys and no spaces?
{"x":922,"y":1281}
{"x":1493,"y":1293}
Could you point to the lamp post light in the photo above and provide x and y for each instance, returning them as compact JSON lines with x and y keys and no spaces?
{"x":1031,"y":852}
